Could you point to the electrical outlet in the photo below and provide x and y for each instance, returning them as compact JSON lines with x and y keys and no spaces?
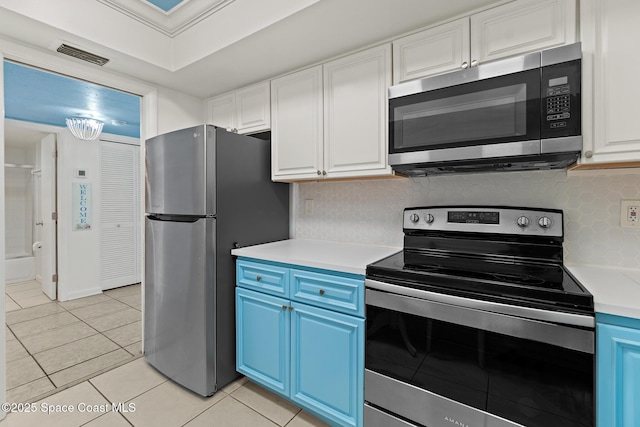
{"x":308,"y":207}
{"x":630,"y":213}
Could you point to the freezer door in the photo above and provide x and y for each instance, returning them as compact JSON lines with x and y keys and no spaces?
{"x":179,"y":301}
{"x":176,"y":173}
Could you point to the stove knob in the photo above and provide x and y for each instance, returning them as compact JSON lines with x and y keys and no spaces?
{"x":414,"y":217}
{"x":429,"y":218}
{"x":545,"y":222}
{"x":523,"y":222}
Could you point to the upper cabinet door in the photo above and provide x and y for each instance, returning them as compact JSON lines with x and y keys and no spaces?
{"x":437,"y":50}
{"x":296,"y":134}
{"x":252,"y":108}
{"x":355,"y":114}
{"x":221,"y":111}
{"x":520,"y":27}
{"x":610,"y":125}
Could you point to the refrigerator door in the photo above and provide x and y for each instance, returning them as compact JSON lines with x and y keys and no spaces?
{"x":176,"y":167}
{"x":179,"y":301}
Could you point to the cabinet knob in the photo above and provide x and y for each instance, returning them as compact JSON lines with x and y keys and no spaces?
{"x":319,"y":173}
{"x":321,"y":291}
{"x":290,"y":308}
{"x":464,"y":65}
{"x":588,"y":154}
{"x":324,"y":172}
{"x":474,"y":63}
{"x":258,"y":277}
{"x":284,"y":308}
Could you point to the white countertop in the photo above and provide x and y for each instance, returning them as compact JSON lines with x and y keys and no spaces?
{"x":615,"y":290}
{"x":336,"y":256}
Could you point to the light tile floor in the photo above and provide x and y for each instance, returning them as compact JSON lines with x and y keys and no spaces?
{"x":53,"y":345}
{"x":149,"y":399}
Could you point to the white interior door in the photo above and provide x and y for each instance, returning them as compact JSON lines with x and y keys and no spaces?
{"x":119,"y":215}
{"x":48,"y":253}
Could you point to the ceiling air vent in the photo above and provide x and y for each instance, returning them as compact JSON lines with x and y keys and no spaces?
{"x":82,"y":54}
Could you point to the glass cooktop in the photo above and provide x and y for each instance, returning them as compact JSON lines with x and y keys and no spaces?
{"x":514,"y":281}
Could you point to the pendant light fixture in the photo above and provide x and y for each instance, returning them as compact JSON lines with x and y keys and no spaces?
{"x":83,"y":128}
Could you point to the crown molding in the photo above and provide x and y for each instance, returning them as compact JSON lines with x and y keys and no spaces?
{"x":172,"y":23}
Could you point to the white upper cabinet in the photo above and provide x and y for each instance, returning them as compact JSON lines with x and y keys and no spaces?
{"x":610,"y":113}
{"x":520,"y":27}
{"x":507,"y":30}
{"x":433,"y":51}
{"x":355,"y":114}
{"x":296,"y":134}
{"x":246,"y":110}
{"x":330,"y":121}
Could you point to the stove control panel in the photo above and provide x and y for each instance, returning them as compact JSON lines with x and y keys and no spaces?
{"x":478,"y":219}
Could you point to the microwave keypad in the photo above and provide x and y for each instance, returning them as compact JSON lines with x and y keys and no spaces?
{"x":558,"y":103}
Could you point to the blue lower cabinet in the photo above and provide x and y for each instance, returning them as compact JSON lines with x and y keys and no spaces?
{"x":309,"y":346}
{"x":618,"y":371}
{"x":263,"y":330}
{"x":327,"y":356}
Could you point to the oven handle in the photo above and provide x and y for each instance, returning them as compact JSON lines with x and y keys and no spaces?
{"x":447,"y":308}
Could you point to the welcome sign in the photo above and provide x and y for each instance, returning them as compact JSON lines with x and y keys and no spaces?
{"x":81,"y":206}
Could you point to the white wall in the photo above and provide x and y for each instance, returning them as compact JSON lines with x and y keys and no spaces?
{"x":371,"y":211}
{"x":177,"y":110}
{"x":78,"y":251}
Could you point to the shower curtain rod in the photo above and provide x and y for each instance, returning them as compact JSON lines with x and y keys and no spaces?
{"x":13,"y":165}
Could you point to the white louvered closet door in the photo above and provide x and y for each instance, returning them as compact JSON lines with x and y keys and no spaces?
{"x":120,"y":216}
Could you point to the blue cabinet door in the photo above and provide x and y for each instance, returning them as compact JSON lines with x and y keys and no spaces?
{"x":263,"y":328}
{"x":327,"y":353}
{"x":618,"y":376}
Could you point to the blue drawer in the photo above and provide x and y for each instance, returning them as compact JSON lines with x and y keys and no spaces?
{"x":261,"y":277}
{"x":343,"y":294}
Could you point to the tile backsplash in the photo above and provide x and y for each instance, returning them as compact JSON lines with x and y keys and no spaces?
{"x":370,"y":211}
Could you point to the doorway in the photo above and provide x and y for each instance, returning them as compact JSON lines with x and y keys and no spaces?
{"x":30,"y":209}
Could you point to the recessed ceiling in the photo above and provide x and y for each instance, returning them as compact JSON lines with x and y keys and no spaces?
{"x":207,"y":47}
{"x":169,"y":17}
{"x":166,"y":5}
{"x":33,"y":95}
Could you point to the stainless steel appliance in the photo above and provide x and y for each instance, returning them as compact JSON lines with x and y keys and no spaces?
{"x":513,"y":114}
{"x":477,"y":322}
{"x":207,"y":191}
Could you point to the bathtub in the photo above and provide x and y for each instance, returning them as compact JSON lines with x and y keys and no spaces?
{"x":20,"y":269}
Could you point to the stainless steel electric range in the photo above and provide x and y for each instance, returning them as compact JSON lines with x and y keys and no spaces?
{"x":477,"y":323}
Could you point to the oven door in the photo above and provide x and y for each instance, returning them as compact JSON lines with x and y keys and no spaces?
{"x":482,"y":118}
{"x":437,"y":360}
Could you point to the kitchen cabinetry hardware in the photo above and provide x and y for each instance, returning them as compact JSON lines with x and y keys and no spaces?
{"x":319,"y":173}
{"x":258,"y":277}
{"x":617,"y":370}
{"x":609,"y":119}
{"x":246,"y":110}
{"x":289,"y":331}
{"x":510,"y":29}
{"x":332,"y":118}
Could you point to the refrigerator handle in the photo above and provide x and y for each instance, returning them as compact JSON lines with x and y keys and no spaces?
{"x":174,"y":218}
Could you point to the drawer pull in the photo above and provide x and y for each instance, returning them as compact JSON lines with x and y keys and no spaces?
{"x":290,"y":308}
{"x":321,"y":291}
{"x":258,"y":278}
{"x":284,"y":307}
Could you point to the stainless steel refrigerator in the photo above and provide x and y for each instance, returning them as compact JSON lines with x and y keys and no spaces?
{"x":207,"y":191}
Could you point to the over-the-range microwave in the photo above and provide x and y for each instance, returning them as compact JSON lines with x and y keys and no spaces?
{"x":514,"y":114}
